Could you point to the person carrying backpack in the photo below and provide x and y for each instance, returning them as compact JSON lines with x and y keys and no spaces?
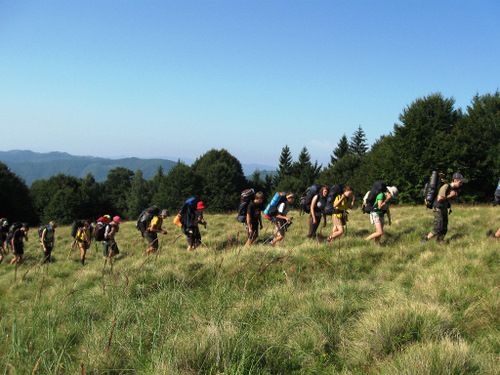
{"x":17,"y":238}
{"x":380,"y":208}
{"x":151,"y":233}
{"x":4,"y":230}
{"x":191,"y":216}
{"x":47,"y":236}
{"x":317,"y":208}
{"x":110,"y":247}
{"x":254,"y":218}
{"x":280,"y":219}
{"x":442,"y":207}
{"x":83,"y":238}
{"x":341,"y":204}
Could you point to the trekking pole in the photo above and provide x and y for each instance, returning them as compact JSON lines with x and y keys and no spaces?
{"x":71,"y":249}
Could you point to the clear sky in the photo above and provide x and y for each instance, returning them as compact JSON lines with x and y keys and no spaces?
{"x":175,"y":78}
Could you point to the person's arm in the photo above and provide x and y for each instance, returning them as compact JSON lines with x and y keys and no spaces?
{"x":382,"y":203}
{"x":338,"y":202}
{"x":249,"y":221}
{"x":42,"y":240}
{"x":313,"y":208}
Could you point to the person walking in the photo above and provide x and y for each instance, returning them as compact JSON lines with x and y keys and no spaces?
{"x":151,"y":233}
{"x":341,"y":204}
{"x":380,"y":209}
{"x":47,"y":240}
{"x":318,"y":205}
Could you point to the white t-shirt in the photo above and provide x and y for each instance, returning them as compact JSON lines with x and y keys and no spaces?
{"x":283,"y":208}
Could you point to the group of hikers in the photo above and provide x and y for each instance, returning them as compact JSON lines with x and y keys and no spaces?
{"x":319,"y":201}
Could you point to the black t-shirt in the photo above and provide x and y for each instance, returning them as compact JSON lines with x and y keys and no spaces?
{"x":320,"y":204}
{"x":254,"y":211}
{"x":18,"y":236}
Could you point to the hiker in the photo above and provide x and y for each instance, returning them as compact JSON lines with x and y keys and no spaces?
{"x":380,"y":208}
{"x":4,"y":230}
{"x":17,"y":238}
{"x":47,"y":235}
{"x":317,"y":208}
{"x":442,"y":207}
{"x":279,"y":218}
{"x":151,"y":233}
{"x":191,"y":215}
{"x":254,"y":218}
{"x":341,"y":204}
{"x":83,"y":238}
{"x":110,"y":248}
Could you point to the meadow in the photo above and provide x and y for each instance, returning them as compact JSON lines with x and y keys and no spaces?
{"x":304,"y":307}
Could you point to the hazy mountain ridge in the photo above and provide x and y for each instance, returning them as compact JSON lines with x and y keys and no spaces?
{"x":33,"y":166}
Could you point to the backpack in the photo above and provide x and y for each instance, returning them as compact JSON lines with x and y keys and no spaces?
{"x":100,"y":230}
{"x":431,"y":189}
{"x":306,"y":199}
{"x":13,"y":228}
{"x":41,"y":228}
{"x":77,"y":224}
{"x":246,"y":197}
{"x":144,"y":219}
{"x":272,"y":207}
{"x":335,"y":191}
{"x":369,"y":198}
{"x":188,"y":212}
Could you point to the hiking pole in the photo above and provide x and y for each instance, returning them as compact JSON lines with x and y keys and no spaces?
{"x":71,"y":249}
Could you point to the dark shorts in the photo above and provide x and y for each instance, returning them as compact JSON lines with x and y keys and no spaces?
{"x":253,"y":235}
{"x":19,"y":248}
{"x":106,"y":247}
{"x":193,"y":236}
{"x":440,"y":223}
{"x":84,"y":245}
{"x":152,"y":239}
{"x":49,"y":247}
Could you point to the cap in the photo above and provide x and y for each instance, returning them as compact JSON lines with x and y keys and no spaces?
{"x":117,"y":219}
{"x":200,"y":206}
{"x":458,"y":176}
{"x":164,"y":212}
{"x":393,"y":190}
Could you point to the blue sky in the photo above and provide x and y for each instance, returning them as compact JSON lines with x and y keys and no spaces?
{"x":176,"y":78}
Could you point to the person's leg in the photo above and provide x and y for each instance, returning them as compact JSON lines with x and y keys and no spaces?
{"x":278,"y":233}
{"x":379,"y":227}
{"x":338,"y":228}
{"x":497,"y":234}
{"x":313,"y":227}
{"x":444,"y":225}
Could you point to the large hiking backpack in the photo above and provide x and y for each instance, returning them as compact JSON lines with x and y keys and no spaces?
{"x":41,"y":228}
{"x":335,"y":191}
{"x":307,"y":197}
{"x":369,"y":198}
{"x":246,"y":197}
{"x":188,"y":212}
{"x":145,"y":218}
{"x":431,"y":189}
{"x":77,"y":224}
{"x":13,"y":228}
{"x":272,"y":207}
{"x":100,"y":228}
{"x":497,"y":193}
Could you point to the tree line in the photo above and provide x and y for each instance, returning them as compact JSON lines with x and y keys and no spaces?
{"x":432,"y":134}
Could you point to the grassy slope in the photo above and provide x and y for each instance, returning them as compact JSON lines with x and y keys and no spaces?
{"x":304,"y":307}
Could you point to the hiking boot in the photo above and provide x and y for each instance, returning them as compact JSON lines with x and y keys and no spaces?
{"x":424,"y":239}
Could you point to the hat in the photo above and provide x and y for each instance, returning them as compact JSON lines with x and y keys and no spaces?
{"x":200,"y":206}
{"x":393,"y":190}
{"x":458,"y":176}
{"x":164,"y":212}
{"x":117,"y":219}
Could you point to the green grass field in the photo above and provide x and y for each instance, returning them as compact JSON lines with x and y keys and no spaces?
{"x":303,"y":307}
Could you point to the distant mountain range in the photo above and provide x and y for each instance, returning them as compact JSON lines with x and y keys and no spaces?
{"x":33,"y":166}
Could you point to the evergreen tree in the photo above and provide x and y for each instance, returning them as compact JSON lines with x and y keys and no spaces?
{"x":117,"y":188}
{"x":340,"y":151}
{"x":138,"y":195}
{"x":285,"y":164}
{"x":174,"y":188}
{"x":304,"y":170}
{"x":358,"y":145}
{"x":16,"y":203}
{"x":222,"y":178}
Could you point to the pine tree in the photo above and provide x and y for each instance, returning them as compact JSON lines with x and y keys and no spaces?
{"x":358,"y":145}
{"x":285,"y":166}
{"x":304,"y":170}
{"x":340,"y":151}
{"x":137,"y":196}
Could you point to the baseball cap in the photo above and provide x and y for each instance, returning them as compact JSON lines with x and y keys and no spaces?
{"x":200,"y":206}
{"x":117,"y":219}
{"x":164,"y":212}
{"x":393,"y":190}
